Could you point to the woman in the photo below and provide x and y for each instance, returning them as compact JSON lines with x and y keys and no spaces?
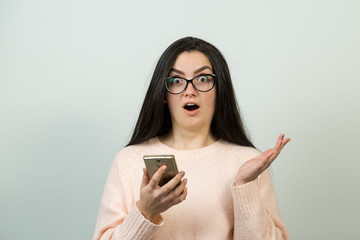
{"x":190,"y":111}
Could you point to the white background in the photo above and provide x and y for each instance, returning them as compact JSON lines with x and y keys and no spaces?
{"x":73,"y":75}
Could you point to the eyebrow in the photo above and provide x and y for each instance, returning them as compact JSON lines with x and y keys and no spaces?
{"x":195,"y":72}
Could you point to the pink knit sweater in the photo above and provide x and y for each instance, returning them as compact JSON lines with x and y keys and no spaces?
{"x":214,"y":207}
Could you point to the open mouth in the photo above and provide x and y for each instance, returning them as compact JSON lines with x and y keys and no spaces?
{"x":191,"y":106}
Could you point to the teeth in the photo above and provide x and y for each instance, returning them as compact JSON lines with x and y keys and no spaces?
{"x":190,"y":104}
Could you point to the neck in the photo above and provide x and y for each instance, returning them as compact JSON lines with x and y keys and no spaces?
{"x":188,"y":140}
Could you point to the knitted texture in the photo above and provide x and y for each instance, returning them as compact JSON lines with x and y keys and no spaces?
{"x":214,"y":207}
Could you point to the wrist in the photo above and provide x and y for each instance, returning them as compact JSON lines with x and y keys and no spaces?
{"x":154,"y":218}
{"x":239,"y":182}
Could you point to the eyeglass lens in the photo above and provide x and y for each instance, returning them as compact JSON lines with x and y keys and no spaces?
{"x":201,"y":83}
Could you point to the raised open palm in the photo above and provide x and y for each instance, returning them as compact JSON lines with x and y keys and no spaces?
{"x":252,"y":168}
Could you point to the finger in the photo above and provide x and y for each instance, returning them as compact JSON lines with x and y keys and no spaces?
{"x":178,"y":191}
{"x":180,"y":198}
{"x":145,"y":179}
{"x":285,"y":141}
{"x":279,"y":145}
{"x":154,"y":182}
{"x":279,"y":142}
{"x":168,"y":187}
{"x":270,"y":155}
{"x":183,"y":195}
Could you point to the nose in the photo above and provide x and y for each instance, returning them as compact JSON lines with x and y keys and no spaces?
{"x":190,"y":90}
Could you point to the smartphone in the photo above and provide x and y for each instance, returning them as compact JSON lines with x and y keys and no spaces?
{"x":154,"y":162}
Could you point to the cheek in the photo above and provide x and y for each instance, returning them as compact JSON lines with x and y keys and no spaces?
{"x":212,"y":99}
{"x":171,"y":102}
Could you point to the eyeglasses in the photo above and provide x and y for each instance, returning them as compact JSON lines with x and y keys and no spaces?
{"x":202,"y":83}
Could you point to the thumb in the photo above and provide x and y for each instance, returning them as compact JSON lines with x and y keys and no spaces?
{"x":145,"y":179}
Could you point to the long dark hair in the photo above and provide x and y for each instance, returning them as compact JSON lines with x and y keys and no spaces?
{"x":154,"y":118}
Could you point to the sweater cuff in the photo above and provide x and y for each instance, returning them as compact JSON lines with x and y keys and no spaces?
{"x":247,"y":199}
{"x":136,"y":226}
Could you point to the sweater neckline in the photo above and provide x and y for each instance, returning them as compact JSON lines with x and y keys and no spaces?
{"x":192,"y":153}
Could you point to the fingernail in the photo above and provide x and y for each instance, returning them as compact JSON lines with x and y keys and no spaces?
{"x":163,"y":167}
{"x":182,"y":173}
{"x":185,"y":180}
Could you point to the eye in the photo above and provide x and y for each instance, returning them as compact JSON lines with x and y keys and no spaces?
{"x":203,"y":78}
{"x":175,"y":80}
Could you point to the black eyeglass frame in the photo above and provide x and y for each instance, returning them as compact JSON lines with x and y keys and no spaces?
{"x":190,"y":81}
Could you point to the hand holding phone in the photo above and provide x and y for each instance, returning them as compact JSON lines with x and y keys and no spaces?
{"x":154,"y":199}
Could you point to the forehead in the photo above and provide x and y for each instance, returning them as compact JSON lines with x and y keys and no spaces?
{"x":189,"y":61}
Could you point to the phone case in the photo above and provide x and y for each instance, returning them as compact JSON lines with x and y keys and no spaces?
{"x":154,"y":162}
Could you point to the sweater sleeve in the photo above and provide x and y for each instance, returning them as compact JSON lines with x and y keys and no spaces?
{"x":256,"y":214}
{"x":118,"y":217}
